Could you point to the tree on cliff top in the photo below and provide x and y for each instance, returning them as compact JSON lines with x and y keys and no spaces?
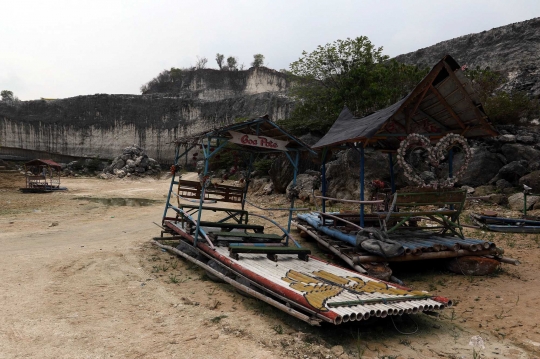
{"x":201,"y":63}
{"x":232,"y":63}
{"x":258,"y":60}
{"x":7,"y":95}
{"x":351,"y":72}
{"x":219,"y":60}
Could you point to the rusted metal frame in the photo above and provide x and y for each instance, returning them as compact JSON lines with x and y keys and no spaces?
{"x":447,"y":106}
{"x":471,"y":104}
{"x":415,"y":108}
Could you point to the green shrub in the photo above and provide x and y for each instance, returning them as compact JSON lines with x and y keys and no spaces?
{"x":263,"y":165}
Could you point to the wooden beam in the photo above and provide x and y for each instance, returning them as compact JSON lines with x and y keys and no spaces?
{"x":411,"y":113}
{"x":400,"y":125}
{"x":427,"y":81}
{"x":434,"y":121}
{"x":465,"y":94}
{"x":447,"y":106}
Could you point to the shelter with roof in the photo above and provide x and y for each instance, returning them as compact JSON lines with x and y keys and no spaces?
{"x":42,"y":176}
{"x":257,"y":136}
{"x":414,"y":223}
{"x":443,"y":102}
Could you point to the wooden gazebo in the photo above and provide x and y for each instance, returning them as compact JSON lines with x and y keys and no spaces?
{"x":42,"y":176}
{"x":443,"y":102}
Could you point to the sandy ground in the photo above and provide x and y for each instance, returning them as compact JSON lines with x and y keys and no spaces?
{"x":80,"y":279}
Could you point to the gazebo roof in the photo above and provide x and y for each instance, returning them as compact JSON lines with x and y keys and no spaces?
{"x":443,"y":102}
{"x":261,"y":126}
{"x":49,"y":163}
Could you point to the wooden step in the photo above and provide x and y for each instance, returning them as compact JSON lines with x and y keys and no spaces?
{"x":269,"y":237}
{"x":271,"y":252}
{"x":256,"y":228}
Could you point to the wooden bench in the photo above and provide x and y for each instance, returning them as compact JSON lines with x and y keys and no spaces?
{"x":216,"y":192}
{"x":239,"y":215}
{"x":259,"y":237}
{"x":449,"y":203}
{"x":230,"y":226}
{"x":271,"y":252}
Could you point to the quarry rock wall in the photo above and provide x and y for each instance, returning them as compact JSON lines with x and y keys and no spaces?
{"x":102,"y":125}
{"x":513,"y":50}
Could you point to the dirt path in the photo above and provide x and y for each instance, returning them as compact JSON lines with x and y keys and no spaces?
{"x":80,"y":280}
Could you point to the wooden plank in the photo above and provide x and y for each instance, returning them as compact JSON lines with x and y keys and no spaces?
{"x":417,"y":213}
{"x":247,"y":235}
{"x":411,"y":113}
{"x":231,"y":225}
{"x":220,"y":209}
{"x":447,"y":106}
{"x":434,"y":121}
{"x":466,"y":95}
{"x":274,"y":250}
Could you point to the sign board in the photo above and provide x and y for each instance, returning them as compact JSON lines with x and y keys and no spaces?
{"x":258,"y":141}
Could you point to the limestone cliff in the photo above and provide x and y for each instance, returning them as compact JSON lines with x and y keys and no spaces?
{"x":512,"y":49}
{"x":102,"y":125}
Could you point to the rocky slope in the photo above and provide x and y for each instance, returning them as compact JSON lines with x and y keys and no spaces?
{"x":512,"y":49}
{"x":102,"y":125}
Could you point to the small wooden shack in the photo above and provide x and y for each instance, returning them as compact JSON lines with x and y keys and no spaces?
{"x":42,"y":176}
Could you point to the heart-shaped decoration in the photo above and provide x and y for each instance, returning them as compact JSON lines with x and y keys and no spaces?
{"x":435,"y":156}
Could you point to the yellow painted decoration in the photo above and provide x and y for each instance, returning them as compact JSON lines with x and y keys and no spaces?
{"x":317,"y":291}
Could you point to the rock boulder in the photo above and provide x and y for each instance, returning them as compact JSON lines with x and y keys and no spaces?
{"x":483,"y":167}
{"x":515,"y":201}
{"x":532,"y":180}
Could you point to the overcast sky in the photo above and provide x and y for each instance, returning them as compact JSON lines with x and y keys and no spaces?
{"x":58,"y":49}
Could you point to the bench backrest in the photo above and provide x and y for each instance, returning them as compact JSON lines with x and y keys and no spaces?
{"x":439,"y":198}
{"x":217,"y":192}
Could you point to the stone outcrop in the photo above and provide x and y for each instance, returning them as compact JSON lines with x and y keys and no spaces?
{"x":513,"y":50}
{"x":213,"y":85}
{"x":132,"y":161}
{"x":102,"y":125}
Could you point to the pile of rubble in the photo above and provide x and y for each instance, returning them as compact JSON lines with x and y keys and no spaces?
{"x":133,"y":162}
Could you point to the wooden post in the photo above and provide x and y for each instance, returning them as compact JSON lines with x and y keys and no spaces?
{"x":361,"y":185}
{"x":392,"y":180}
{"x":323,"y":180}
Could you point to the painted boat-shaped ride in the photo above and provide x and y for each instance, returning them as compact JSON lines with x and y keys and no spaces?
{"x":312,"y":290}
{"x":507,"y":225}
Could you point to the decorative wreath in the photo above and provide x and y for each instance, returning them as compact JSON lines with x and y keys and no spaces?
{"x":435,"y":156}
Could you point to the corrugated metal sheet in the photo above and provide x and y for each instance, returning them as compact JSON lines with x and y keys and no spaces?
{"x":289,"y":272}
